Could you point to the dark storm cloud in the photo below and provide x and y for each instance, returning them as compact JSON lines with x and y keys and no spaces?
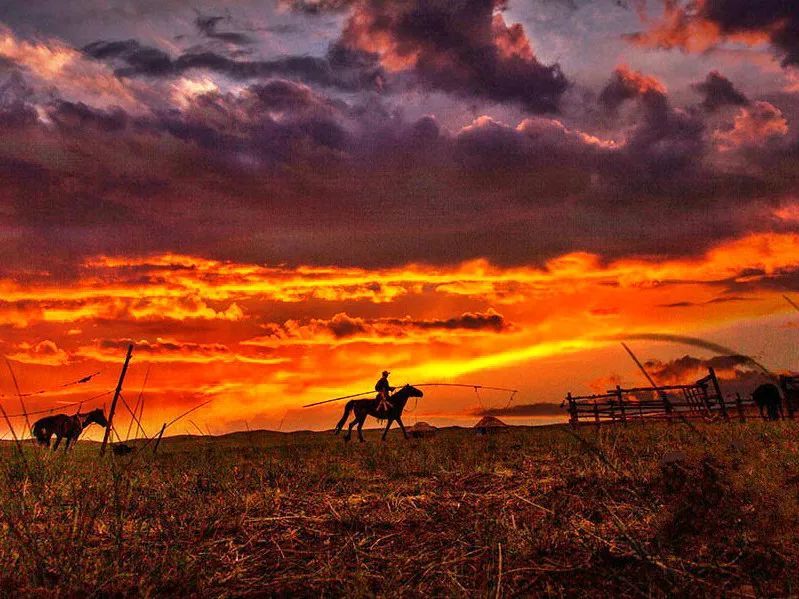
{"x":696,"y":342}
{"x":663,"y":146}
{"x":523,"y":410}
{"x":163,"y":346}
{"x":472,"y":321}
{"x":226,"y":172}
{"x":626,"y":84}
{"x":316,"y":7}
{"x":779,"y":19}
{"x":15,"y":111}
{"x":343,"y":326}
{"x":715,"y":300}
{"x":719,"y":91}
{"x":687,"y":366}
{"x":139,"y":59}
{"x":712,"y":21}
{"x":353,"y":71}
{"x":77,"y":115}
{"x":735,"y":373}
{"x":462,"y":47}
{"x":208,"y":25}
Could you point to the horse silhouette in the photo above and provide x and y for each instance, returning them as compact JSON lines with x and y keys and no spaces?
{"x":63,"y":426}
{"x":767,"y":397}
{"x":369,"y":407}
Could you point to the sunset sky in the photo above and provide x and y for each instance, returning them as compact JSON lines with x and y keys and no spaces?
{"x":275,"y":200}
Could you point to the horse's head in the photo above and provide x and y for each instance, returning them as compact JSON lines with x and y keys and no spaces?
{"x":412,"y":391}
{"x":98,"y":416}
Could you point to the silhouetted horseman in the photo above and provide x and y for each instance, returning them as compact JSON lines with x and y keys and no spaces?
{"x":383,"y":389}
{"x":368,"y":407}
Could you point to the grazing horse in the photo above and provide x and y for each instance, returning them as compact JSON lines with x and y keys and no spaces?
{"x":62,"y":426}
{"x":369,"y":407}
{"x":767,"y":397}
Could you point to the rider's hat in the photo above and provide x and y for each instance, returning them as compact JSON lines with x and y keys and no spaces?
{"x":386,"y":373}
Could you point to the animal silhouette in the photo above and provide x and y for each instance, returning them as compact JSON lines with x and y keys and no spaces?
{"x":767,"y":397}
{"x":63,"y":426}
{"x":369,"y":407}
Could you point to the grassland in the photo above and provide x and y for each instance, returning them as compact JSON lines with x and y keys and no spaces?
{"x":528,"y":512}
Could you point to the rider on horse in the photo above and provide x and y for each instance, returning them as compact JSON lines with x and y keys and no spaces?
{"x":383,"y":388}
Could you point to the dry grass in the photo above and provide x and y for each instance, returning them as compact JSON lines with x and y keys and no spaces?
{"x":532,"y":511}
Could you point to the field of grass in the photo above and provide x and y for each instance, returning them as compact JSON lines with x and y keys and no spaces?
{"x":530,"y":512}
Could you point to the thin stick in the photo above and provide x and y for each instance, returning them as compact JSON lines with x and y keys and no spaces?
{"x":186,"y":413}
{"x":638,"y":363}
{"x":486,"y":387}
{"x":13,"y":434}
{"x":158,"y":440}
{"x":499,"y":575}
{"x":138,"y":401}
{"x":173,"y":421}
{"x":62,"y":406}
{"x":663,"y":395}
{"x":19,"y":395}
{"x":139,"y":426}
{"x":319,"y":403}
{"x":202,"y":434}
{"x":125,"y":403}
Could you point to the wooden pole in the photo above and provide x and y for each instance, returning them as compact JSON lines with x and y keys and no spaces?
{"x":116,"y":397}
{"x":139,"y":426}
{"x":572,"y":410}
{"x":739,"y":404}
{"x":621,"y":405}
{"x":158,"y":440}
{"x":663,"y":396}
{"x":717,"y":389}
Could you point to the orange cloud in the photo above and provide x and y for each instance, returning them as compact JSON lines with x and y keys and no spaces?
{"x":261,"y":340}
{"x":51,"y":63}
{"x":684,"y":26}
{"x":344,"y":329}
{"x":44,"y":352}
{"x":170,"y":350}
{"x":754,"y":126}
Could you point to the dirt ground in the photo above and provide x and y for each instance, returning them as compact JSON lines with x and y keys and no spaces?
{"x":532,"y":511}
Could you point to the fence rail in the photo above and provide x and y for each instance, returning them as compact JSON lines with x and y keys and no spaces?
{"x":701,"y":400}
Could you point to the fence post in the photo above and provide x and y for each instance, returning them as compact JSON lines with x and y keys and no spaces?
{"x":158,"y":440}
{"x":572,"y":410}
{"x":621,"y":405}
{"x":114,"y":401}
{"x":740,"y":406}
{"x":718,"y":393}
{"x":596,"y":413}
{"x":787,"y":395}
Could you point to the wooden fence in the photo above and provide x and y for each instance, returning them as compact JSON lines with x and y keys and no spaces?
{"x":702,"y":399}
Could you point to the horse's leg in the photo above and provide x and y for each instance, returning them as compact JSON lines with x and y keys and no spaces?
{"x":57,"y":441}
{"x":69,"y":441}
{"x":388,"y":426}
{"x":342,"y":422}
{"x":360,"y":428}
{"x":348,"y":436}
{"x":402,"y":426}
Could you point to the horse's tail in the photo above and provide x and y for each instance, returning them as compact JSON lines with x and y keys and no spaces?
{"x":347,"y":410}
